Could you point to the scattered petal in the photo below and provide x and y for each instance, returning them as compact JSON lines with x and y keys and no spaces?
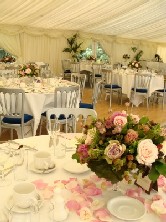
{"x":73,"y":205}
{"x":85,"y":213}
{"x":158,"y":207}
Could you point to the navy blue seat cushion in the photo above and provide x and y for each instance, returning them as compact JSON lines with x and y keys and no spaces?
{"x":161,"y":90}
{"x":61,"y":117}
{"x":86,"y":105}
{"x":140,"y":90}
{"x":97,"y":75}
{"x":27,"y":118}
{"x":108,"y":86}
{"x":67,"y":71}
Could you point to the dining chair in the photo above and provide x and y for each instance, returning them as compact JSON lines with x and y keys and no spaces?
{"x":66,"y":68}
{"x":43,"y":70}
{"x":111,"y":85}
{"x":77,"y":114}
{"x":96,"y":93}
{"x":160,"y":93}
{"x":75,"y":67}
{"x":79,"y":79}
{"x":96,"y":73}
{"x":64,"y":97}
{"x":12,"y":110}
{"x":141,"y":86}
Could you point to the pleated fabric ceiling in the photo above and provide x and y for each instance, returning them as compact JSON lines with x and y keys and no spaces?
{"x":134,"y":19}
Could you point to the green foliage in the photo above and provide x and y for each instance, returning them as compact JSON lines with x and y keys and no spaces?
{"x":74,"y":48}
{"x":104,"y":170}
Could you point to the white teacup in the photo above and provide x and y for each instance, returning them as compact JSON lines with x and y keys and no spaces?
{"x":42,"y":160}
{"x":24,"y":195}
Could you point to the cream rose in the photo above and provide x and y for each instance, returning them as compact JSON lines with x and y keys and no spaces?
{"x":147,"y":152}
{"x":90,"y":135}
{"x":135,"y":118}
{"x":114,"y":150}
{"x":120,"y":120}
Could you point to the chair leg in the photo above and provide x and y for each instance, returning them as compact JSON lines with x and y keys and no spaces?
{"x":40,"y":126}
{"x":11,"y":134}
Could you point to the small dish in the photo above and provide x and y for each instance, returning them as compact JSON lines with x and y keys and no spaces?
{"x":33,"y":169}
{"x":126,"y":208}
{"x":11,"y":207}
{"x":72,"y":166}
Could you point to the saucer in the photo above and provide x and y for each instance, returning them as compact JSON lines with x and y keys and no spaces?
{"x":126,"y":208}
{"x":33,"y":169}
{"x":11,"y":207}
{"x":72,"y":166}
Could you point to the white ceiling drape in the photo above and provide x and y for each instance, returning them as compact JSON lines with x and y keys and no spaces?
{"x":134,"y":19}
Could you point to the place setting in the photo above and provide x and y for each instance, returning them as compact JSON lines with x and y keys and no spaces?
{"x":24,"y":202}
{"x":42,"y":163}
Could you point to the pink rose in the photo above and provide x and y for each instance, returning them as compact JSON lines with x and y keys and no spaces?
{"x":120,"y":121}
{"x":147,"y":152}
{"x":114,"y":150}
{"x":116,"y":115}
{"x":131,"y":136}
{"x":83,"y":152}
{"x":28,"y":71}
{"x":101,"y":127}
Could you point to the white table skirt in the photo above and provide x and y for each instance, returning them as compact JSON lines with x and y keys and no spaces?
{"x":38,"y":102}
{"x":126,"y":80}
{"x":41,"y":143}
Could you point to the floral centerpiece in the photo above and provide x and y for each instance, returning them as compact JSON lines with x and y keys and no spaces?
{"x":92,"y":58}
{"x":135,"y":65}
{"x":126,"y":56}
{"x":8,"y":59}
{"x":29,"y":70}
{"x":122,"y":146}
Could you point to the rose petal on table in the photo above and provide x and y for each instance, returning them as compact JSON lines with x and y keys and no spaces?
{"x":93,"y":191}
{"x":73,"y":205}
{"x":97,"y":204}
{"x":156,"y":197}
{"x":102,"y":214}
{"x":71,"y":185}
{"x":95,"y":178}
{"x":158,"y":207}
{"x":47,"y":194}
{"x":161,"y":181}
{"x":40,"y":184}
{"x":163,"y":217}
{"x":85,"y":213}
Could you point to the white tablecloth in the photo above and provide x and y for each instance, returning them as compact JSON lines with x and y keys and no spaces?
{"x":41,"y":143}
{"x":38,"y":99}
{"x":126,"y":81}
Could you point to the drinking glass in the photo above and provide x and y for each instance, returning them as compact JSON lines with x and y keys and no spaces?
{"x":54,"y":139}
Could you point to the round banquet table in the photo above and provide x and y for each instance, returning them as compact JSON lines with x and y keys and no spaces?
{"x":59,"y":175}
{"x":39,"y":97}
{"x":125,"y":79}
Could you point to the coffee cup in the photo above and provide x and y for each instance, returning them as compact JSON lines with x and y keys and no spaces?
{"x":42,"y":160}
{"x":24,"y":195}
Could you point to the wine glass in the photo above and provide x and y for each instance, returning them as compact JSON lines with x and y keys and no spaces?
{"x":53,"y":132}
{"x":5,"y":167}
